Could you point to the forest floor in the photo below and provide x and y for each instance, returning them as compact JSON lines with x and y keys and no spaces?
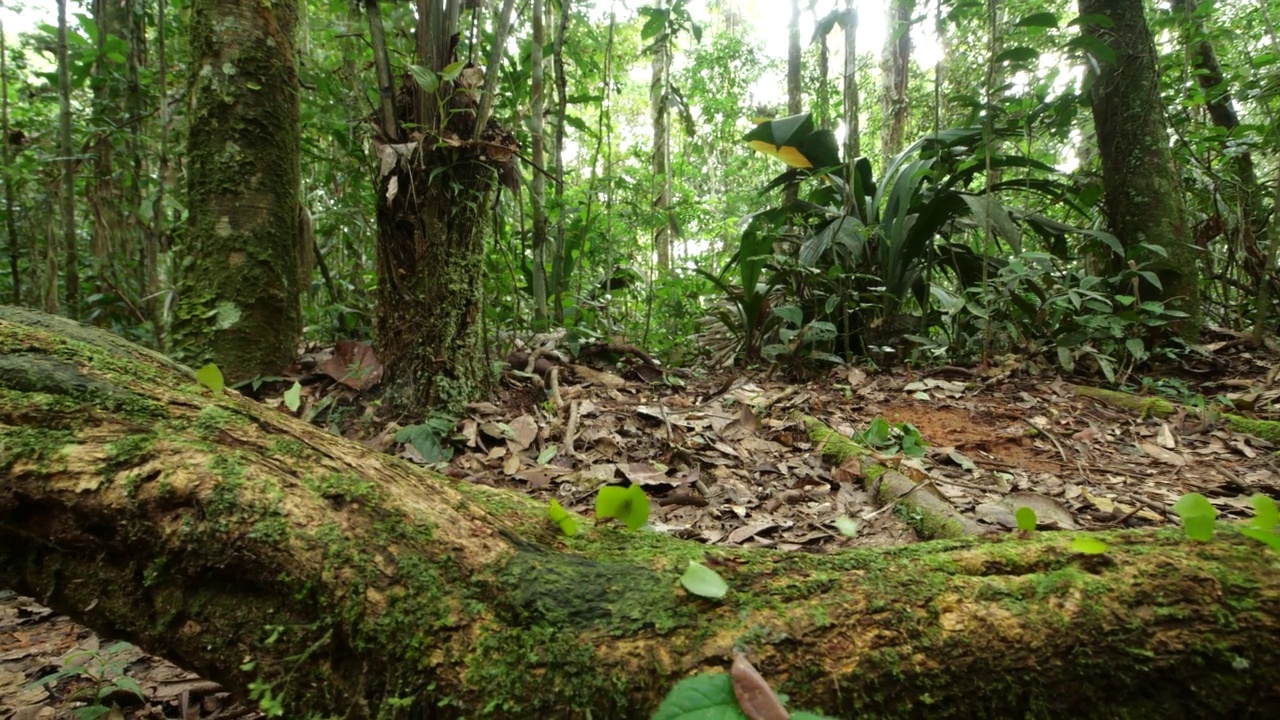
{"x":728,"y":461}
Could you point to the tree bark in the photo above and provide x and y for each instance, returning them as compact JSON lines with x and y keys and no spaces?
{"x":1143,"y":190}
{"x":660,"y":109}
{"x":264,"y":552}
{"x":239,"y":288}
{"x":896,"y":69}
{"x":538,"y":186}
{"x":67,"y":199}
{"x":434,"y":195}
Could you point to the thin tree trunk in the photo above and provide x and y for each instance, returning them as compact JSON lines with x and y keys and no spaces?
{"x":853,"y":129}
{"x":538,"y":191}
{"x":70,"y":249}
{"x":660,"y":106}
{"x":795,"y":96}
{"x":561,"y":261}
{"x":262,"y":551}
{"x":7,"y":152}
{"x":894,"y":103}
{"x":1247,"y":192}
{"x":1143,"y":188}
{"x":159,"y":225}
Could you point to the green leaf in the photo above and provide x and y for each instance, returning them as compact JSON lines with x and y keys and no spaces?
{"x":211,"y":377}
{"x":547,"y":454}
{"x":1026,"y":518}
{"x":1086,"y":545}
{"x":628,"y":504}
{"x":452,"y":70}
{"x":1040,"y":19}
{"x":293,"y":397}
{"x":847,"y":526}
{"x":703,"y":581}
{"x":1197,"y":515}
{"x":1018,"y":54}
{"x":1270,"y":538}
{"x":426,"y":79}
{"x":708,"y":696}
{"x":561,"y":517}
{"x":655,"y":24}
{"x":1266,"y":515}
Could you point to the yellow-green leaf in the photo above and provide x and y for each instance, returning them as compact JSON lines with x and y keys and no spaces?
{"x":211,"y":377}
{"x":1088,"y":545}
{"x":293,"y":397}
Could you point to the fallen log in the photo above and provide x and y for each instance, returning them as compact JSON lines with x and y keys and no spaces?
{"x":330,"y":580}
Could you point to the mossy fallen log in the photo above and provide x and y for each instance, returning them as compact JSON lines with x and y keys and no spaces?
{"x":1144,"y":405}
{"x":263,"y":552}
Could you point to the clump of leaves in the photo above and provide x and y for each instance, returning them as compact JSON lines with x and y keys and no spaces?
{"x":891,"y":439}
{"x":105,"y":673}
{"x":428,"y":437}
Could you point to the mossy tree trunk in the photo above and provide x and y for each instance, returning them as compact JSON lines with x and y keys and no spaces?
{"x":239,"y":285}
{"x":1141,"y":183}
{"x":435,"y":195}
{"x":256,"y":549}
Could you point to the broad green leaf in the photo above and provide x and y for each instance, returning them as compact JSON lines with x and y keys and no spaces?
{"x":1269,"y":537}
{"x":211,"y":377}
{"x":1086,"y":545}
{"x":628,"y":504}
{"x":1197,"y":515}
{"x":1266,"y":515}
{"x":708,"y":696}
{"x":293,"y":397}
{"x":452,"y":70}
{"x":1040,"y":19}
{"x":1026,"y":518}
{"x":425,"y":77}
{"x":703,"y":581}
{"x":1021,"y":53}
{"x":847,"y":526}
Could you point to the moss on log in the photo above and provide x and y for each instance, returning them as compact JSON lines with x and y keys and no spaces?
{"x":259,"y":550}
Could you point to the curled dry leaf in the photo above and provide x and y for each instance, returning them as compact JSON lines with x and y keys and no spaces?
{"x":754,"y":695}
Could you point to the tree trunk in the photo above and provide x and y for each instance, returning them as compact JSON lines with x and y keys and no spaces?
{"x":1141,"y":183}
{"x":239,"y":286}
{"x":660,"y":107}
{"x":896,"y":69}
{"x":435,"y":193}
{"x":10,"y":175}
{"x":70,"y":246}
{"x":851,"y":102}
{"x":795,"y":88}
{"x":1252,"y":228}
{"x":264,"y":552}
{"x":538,"y":193}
